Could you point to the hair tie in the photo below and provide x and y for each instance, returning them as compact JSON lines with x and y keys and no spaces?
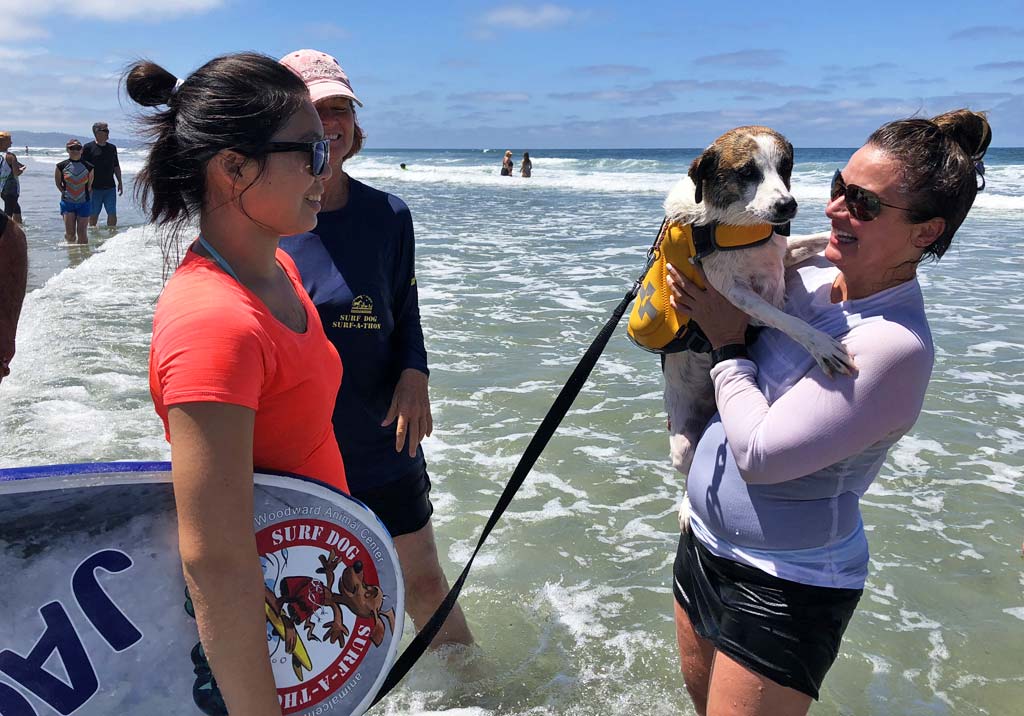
{"x":177,"y":86}
{"x":979,"y":167}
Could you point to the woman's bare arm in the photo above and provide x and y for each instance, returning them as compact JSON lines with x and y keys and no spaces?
{"x":211,"y":463}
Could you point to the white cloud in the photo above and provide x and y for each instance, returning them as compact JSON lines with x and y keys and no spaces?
{"x":20,"y":53}
{"x":744,"y":58}
{"x":490,"y":97}
{"x":25,"y":15}
{"x":987,"y":33}
{"x":807,"y":123}
{"x":327,"y":30}
{"x":20,"y":30}
{"x":670,"y":90}
{"x":613,"y":71}
{"x":520,"y":17}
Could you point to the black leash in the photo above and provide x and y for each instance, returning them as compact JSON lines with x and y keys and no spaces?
{"x":540,"y":440}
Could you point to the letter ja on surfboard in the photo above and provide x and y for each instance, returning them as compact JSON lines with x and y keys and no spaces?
{"x":94,"y":583}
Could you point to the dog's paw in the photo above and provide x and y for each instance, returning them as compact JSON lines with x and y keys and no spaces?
{"x":681,"y":450}
{"x":830,"y":355}
{"x":684,"y":515}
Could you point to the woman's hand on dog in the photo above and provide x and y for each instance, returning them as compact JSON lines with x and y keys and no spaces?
{"x":721,"y":321}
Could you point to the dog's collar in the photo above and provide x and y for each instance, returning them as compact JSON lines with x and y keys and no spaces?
{"x":726,"y":237}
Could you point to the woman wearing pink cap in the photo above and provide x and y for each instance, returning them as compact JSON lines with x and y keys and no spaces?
{"x":358,"y":267}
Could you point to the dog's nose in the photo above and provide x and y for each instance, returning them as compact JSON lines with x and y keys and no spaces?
{"x":785,"y":208}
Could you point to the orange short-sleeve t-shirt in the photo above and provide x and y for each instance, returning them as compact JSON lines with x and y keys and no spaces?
{"x":215,"y":341}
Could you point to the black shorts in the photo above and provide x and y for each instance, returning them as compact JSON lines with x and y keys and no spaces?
{"x":786,"y":631}
{"x":403,"y":505}
{"x":11,"y":205}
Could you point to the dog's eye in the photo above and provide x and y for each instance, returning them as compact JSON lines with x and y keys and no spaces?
{"x":747,"y":171}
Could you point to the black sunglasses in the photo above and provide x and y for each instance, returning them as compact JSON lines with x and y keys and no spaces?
{"x":863,"y":204}
{"x":319,"y":152}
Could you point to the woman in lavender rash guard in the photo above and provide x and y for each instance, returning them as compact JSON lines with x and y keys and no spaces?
{"x":358,"y":268}
{"x":773,"y":557}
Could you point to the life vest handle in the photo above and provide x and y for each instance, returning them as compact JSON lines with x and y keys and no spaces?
{"x":652,"y":255}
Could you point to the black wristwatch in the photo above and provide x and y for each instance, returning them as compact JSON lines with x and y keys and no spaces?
{"x":728,"y":352}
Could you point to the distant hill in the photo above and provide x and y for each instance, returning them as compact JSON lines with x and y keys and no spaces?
{"x":59,"y":139}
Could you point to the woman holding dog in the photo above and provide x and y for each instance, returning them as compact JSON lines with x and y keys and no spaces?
{"x":773,"y":557}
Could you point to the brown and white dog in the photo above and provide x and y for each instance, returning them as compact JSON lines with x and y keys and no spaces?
{"x":741,"y":179}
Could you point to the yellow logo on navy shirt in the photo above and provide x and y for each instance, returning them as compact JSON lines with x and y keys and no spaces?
{"x":361,"y":315}
{"x":362,"y":304}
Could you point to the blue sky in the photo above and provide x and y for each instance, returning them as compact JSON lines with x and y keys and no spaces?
{"x":455,"y":73}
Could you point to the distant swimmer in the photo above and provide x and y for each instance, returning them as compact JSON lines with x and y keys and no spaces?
{"x":527,"y":166}
{"x":403,"y":165}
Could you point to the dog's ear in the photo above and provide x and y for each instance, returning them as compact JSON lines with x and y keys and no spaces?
{"x":703,"y":167}
{"x":786,"y":164}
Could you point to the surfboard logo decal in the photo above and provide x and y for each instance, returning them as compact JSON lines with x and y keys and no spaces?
{"x":325,"y":608}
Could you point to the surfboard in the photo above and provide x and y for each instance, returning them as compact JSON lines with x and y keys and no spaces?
{"x":97,"y":619}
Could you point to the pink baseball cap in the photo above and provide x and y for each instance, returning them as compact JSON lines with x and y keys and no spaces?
{"x":321,"y":73}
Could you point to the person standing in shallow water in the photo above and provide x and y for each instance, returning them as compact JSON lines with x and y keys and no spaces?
{"x":73,"y":178}
{"x":10,"y":171}
{"x":240,"y":371}
{"x":506,"y":164}
{"x":526,"y":169}
{"x":359,"y":269}
{"x":773,"y":554}
{"x":103,"y":156}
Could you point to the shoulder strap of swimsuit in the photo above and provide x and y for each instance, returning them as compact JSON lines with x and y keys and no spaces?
{"x":221,"y":261}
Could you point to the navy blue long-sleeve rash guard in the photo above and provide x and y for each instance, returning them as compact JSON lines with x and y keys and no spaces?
{"x":358,"y":267}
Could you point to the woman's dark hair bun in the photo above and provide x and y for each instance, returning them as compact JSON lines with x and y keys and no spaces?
{"x":970,"y":130}
{"x":941,"y":168}
{"x":235,"y":102}
{"x":149,"y":84}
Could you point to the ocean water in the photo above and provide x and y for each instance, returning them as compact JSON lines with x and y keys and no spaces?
{"x":570,"y":599}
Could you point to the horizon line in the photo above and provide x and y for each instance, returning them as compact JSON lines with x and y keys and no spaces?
{"x":134,"y":144}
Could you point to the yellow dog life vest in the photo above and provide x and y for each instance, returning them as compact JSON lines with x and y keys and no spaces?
{"x":653,"y":324}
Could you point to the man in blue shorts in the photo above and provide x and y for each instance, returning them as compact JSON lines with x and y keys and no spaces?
{"x":103,"y":157}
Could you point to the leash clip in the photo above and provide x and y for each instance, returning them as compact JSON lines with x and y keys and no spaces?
{"x":637,"y":285}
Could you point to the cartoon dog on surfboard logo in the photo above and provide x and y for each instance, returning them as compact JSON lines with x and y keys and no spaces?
{"x":324,"y":605}
{"x":342,"y":618}
{"x":325,"y":611}
{"x":301,"y":599}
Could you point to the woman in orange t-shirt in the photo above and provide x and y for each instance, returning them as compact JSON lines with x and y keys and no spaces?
{"x":240,"y":370}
